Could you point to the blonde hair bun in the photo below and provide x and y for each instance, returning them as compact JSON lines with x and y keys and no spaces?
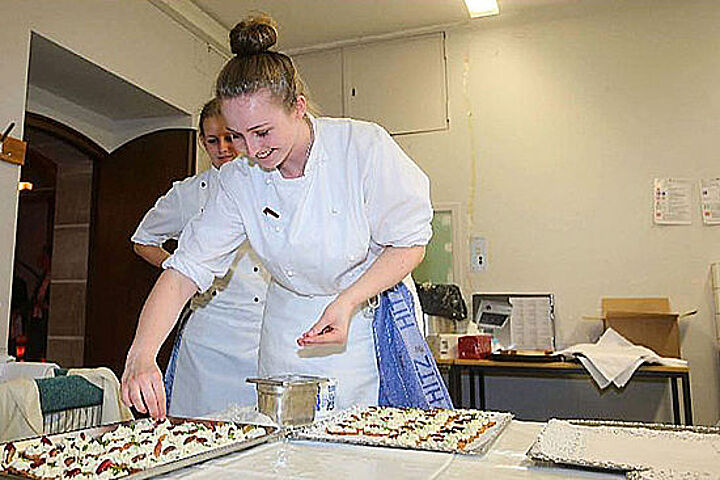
{"x":253,"y":35}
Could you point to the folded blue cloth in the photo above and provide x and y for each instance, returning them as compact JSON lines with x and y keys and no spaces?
{"x":170,"y":370}
{"x":172,"y":363}
{"x":409,"y":376}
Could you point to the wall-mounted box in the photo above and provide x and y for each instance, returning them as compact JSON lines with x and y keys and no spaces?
{"x":13,"y":151}
{"x":400,"y":84}
{"x":323,"y":76}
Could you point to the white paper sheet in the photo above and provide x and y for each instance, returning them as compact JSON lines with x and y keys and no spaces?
{"x":672,"y":201}
{"x":531,"y":325}
{"x":710,"y":200}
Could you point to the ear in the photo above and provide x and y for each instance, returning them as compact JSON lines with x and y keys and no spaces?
{"x":300,"y":106}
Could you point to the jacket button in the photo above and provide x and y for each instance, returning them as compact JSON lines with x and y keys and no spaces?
{"x":214,"y":293}
{"x":202,"y":184}
{"x":256,"y":269}
{"x":256,"y":299}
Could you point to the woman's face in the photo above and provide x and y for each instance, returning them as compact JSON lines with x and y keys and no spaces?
{"x":220,"y":144}
{"x":265,"y":129}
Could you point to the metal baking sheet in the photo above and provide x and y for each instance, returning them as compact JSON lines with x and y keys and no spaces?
{"x":273,"y":434}
{"x":317,"y":432}
{"x":690,"y":452}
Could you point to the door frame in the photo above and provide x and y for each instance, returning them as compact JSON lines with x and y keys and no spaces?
{"x":190,"y":168}
{"x":66,"y":134}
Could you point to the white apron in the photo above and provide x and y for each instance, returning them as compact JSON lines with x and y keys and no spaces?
{"x":352,"y":365}
{"x":219,"y":347}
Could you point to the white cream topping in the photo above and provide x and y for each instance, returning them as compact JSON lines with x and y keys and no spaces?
{"x":136,"y":446}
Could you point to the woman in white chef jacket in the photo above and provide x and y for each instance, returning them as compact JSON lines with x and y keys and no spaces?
{"x":220,"y":341}
{"x":334,"y":209}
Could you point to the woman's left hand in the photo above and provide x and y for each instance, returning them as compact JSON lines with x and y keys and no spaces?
{"x":332,"y":328}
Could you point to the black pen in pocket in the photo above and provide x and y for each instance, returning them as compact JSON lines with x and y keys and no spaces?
{"x":271,"y":212}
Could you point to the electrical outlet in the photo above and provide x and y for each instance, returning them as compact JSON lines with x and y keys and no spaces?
{"x":478,"y":254}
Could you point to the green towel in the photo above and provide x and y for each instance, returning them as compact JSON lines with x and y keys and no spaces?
{"x":67,"y":392}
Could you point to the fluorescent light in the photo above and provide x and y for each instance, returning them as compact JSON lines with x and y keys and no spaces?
{"x":482,"y":8}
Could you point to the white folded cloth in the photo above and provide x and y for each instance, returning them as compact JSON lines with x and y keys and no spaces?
{"x":11,"y":370}
{"x":614,"y":359}
{"x":113,"y":410}
{"x":20,"y":413}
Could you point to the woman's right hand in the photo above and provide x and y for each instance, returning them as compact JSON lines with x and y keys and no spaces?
{"x":142,"y":382}
{"x":142,"y":385}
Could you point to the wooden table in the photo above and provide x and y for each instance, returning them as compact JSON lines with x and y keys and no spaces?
{"x":480,"y":368}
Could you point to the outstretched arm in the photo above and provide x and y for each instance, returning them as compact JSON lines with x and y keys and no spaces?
{"x":142,"y":384}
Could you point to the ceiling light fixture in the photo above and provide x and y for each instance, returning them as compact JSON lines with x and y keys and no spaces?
{"x":482,"y":8}
{"x":25,"y":186}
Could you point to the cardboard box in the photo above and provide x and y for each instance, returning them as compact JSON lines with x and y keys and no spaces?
{"x":645,"y":321}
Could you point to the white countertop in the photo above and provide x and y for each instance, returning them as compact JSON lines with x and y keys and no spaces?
{"x":309,"y":460}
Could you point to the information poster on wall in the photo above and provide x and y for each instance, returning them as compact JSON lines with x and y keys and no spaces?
{"x":710,"y":200}
{"x":673,"y":198}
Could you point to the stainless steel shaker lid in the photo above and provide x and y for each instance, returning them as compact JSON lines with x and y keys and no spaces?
{"x":287,"y":380}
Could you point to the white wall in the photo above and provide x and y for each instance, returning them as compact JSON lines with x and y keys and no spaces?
{"x":107,"y":133}
{"x":559,"y":123}
{"x":89,"y":123}
{"x":132,"y":39}
{"x":560,"y":118}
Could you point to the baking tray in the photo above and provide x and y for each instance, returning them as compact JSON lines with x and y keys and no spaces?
{"x":539,"y":356}
{"x":274,"y":433}
{"x":317,"y":432}
{"x":690,"y":452}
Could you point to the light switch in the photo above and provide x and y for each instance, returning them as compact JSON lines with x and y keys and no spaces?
{"x":478,"y":254}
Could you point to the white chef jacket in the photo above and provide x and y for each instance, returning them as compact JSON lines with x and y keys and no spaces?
{"x":220,"y":342}
{"x":315,"y":235}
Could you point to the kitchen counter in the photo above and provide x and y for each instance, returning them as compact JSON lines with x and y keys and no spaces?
{"x":309,"y":460}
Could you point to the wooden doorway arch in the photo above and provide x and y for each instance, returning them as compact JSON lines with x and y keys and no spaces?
{"x":125,"y":184}
{"x":59,"y":167}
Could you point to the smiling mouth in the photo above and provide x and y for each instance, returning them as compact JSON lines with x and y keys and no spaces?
{"x":264,"y":154}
